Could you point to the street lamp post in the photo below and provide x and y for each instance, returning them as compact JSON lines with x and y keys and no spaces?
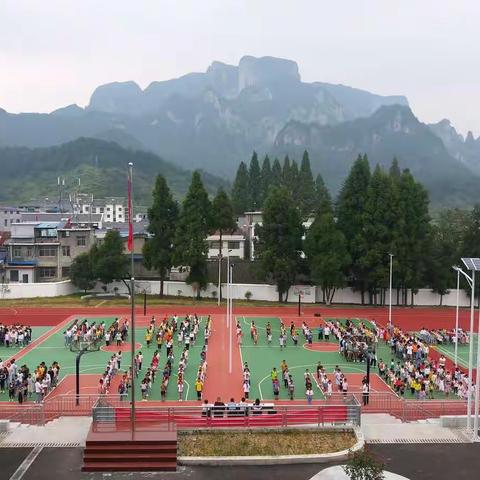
{"x":231,"y":322}
{"x":472,"y":264}
{"x":457,"y":269}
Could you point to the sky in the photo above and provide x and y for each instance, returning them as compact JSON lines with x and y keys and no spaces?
{"x":55,"y":52}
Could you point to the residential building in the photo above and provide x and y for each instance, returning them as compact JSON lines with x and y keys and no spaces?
{"x":233,"y":245}
{"x":113,"y":209}
{"x":8,"y":215}
{"x":44,"y":251}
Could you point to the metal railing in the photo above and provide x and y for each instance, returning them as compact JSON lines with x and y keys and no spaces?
{"x":337,"y":409}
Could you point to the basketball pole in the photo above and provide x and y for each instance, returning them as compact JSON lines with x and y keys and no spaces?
{"x":299,"y":305}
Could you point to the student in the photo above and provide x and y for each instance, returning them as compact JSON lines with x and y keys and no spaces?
{"x":180,"y":389}
{"x":365,"y":393}
{"x":276,"y":389}
{"x":309,"y":395}
{"x":257,"y":407}
{"x":246,"y":388}
{"x":291,"y":387}
{"x":344,"y":387}
{"x":199,"y":388}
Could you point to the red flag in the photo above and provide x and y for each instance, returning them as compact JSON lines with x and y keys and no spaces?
{"x":130,"y":211}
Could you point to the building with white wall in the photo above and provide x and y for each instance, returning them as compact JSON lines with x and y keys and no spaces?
{"x":233,"y":245}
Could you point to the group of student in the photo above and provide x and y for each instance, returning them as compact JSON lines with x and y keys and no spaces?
{"x":82,"y":331}
{"x":15,"y":336}
{"x":187,"y":332}
{"x":23,"y":385}
{"x":444,"y":336}
{"x":416,"y":372}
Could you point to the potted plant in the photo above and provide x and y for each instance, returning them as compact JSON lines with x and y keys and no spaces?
{"x":248,"y":295}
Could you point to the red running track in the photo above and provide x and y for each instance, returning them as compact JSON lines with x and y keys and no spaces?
{"x":407,"y":318}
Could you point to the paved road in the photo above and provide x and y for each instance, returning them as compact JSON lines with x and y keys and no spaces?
{"x":415,"y":461}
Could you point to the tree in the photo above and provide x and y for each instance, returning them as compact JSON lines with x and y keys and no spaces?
{"x":379,"y":224}
{"x":254,"y":184}
{"x":323,"y":200}
{"x":223,"y":222}
{"x":326,"y":250}
{"x":162,"y":216}
{"x":306,"y":191}
{"x":294,"y":183}
{"x":350,"y":207}
{"x":265,"y":179}
{"x":109,"y":261}
{"x":240,"y":197}
{"x":471,"y":237}
{"x":280,"y":240}
{"x":193,"y":227}
{"x":411,"y":232}
{"x":286,"y":172}
{"x":81,"y":273}
{"x":277,"y":174}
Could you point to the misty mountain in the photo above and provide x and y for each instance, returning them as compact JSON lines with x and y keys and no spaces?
{"x":214,"y":119}
{"x":210,"y":120}
{"x":392,"y":131}
{"x":101,"y":166}
{"x":465,"y":150}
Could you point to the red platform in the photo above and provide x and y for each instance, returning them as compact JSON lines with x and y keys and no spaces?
{"x":114,"y":447}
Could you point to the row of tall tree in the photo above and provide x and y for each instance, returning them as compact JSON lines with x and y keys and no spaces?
{"x":306,"y":237}
{"x":253,"y":182}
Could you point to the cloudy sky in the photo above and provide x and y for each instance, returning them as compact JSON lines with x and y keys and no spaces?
{"x":55,"y":52}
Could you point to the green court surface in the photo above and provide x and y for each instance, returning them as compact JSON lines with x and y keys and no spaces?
{"x":53,"y":349}
{"x":463,"y":352}
{"x":10,"y":352}
{"x":261,"y":359}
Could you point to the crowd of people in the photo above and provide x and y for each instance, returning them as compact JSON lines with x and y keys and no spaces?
{"x":413,"y":370}
{"x":444,"y":336}
{"x":15,"y":336}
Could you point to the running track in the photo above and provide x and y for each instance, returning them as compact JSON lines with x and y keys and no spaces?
{"x":407,"y":318}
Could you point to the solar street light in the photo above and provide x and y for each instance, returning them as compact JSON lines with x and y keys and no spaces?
{"x":472,"y":264}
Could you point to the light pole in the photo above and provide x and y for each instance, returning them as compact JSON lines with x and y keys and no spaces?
{"x":472,"y":264}
{"x":390,"y":295}
{"x":231,"y":322}
{"x":457,"y":269}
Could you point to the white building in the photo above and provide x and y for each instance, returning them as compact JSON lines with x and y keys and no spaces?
{"x":233,"y":245}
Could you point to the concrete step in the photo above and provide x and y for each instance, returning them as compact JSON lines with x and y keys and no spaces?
{"x":116,"y":466}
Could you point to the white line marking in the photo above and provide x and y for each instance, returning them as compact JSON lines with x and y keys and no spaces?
{"x":101,"y":303}
{"x":26,"y":464}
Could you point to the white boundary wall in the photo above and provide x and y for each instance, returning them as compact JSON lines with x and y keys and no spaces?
{"x":424,"y":297}
{"x":31,"y":290}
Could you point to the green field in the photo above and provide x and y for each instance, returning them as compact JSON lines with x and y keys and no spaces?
{"x":53,"y":349}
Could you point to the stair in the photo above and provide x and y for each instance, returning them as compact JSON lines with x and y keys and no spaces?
{"x":116,"y":451}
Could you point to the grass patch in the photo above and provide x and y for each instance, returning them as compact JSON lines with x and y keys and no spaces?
{"x":251,"y":443}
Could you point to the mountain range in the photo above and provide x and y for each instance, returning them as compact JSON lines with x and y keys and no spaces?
{"x":213,"y":120}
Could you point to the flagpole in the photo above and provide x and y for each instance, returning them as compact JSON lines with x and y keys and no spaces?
{"x":132,"y":290}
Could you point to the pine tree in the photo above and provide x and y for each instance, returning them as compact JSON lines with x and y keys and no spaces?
{"x":306,"y":187}
{"x":294,"y":183}
{"x":193,"y":227}
{"x":286,"y":173}
{"x":471,"y":236}
{"x":265,"y":180}
{"x":254,"y":184}
{"x":323,"y":200}
{"x":326,"y":250}
{"x":379,"y":223}
{"x":240,"y":196}
{"x":350,"y":207}
{"x":277,"y":174}
{"x":280,"y":240}
{"x":223,"y":222}
{"x":162,"y":217}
